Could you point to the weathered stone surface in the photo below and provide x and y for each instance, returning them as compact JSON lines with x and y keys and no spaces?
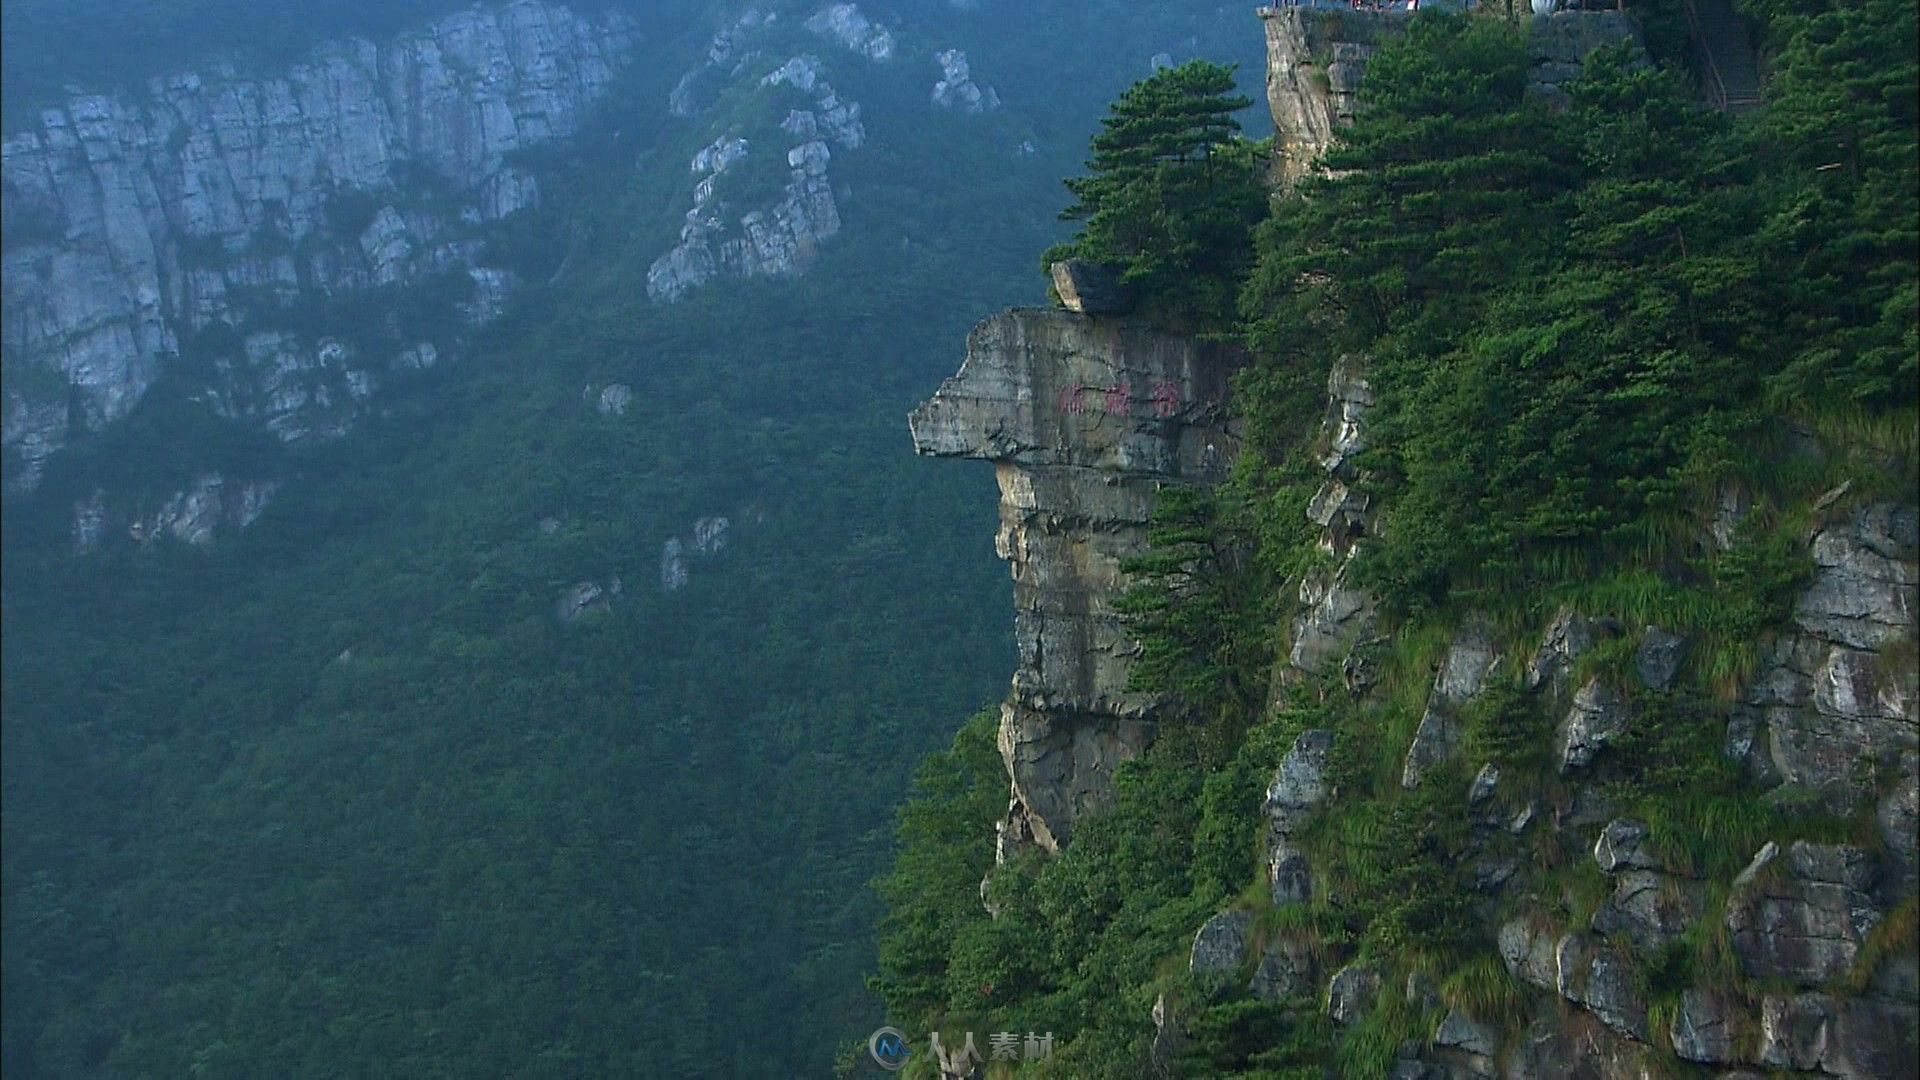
{"x":173,"y":203}
{"x":1286,"y":970}
{"x":1344,"y":514}
{"x":1089,"y":288}
{"x":1855,"y":1037}
{"x":1577,"y":968}
{"x":780,"y":236}
{"x":1559,"y":44}
{"x":1086,"y":420}
{"x":614,"y":399}
{"x":1563,"y":1047}
{"x":1703,"y":1029}
{"x":1623,"y":845}
{"x":1458,"y":1031}
{"x":1600,"y":979}
{"x":1334,"y":616}
{"x":1862,"y":595}
{"x":1899,"y":819}
{"x":1220,"y":948}
{"x":673,"y":565}
{"x":1300,"y":783}
{"x":1314,"y":66}
{"x":1649,"y":909}
{"x":1658,"y":659}
{"x":1470,"y":659}
{"x":1486,"y":784}
{"x":1794,"y":1031}
{"x":1351,"y":994}
{"x":1568,"y":637}
{"x":1586,"y":809}
{"x":1344,"y":428}
{"x":1289,"y":874}
{"x":1803,"y":916}
{"x":1599,"y":715}
{"x":1434,"y":742}
{"x":1837,"y":704}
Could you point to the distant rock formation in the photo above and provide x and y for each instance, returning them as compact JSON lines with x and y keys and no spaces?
{"x":136,"y":222}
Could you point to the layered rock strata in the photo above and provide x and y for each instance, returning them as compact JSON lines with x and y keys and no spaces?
{"x":1086,"y":420}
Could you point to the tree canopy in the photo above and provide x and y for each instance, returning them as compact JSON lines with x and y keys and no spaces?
{"x":1172,"y":193}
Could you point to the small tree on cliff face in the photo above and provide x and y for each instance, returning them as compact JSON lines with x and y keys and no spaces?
{"x":1172,"y":194}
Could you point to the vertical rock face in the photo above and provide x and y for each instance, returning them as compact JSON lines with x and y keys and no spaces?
{"x":1086,"y":420}
{"x":134,"y":221}
{"x":1316,"y":59}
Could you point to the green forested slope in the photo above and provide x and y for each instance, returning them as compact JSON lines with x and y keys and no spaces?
{"x":342,"y":796}
{"x":1579,"y":326}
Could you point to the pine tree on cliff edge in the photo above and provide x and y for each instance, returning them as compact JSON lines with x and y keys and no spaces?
{"x":1172,"y":195}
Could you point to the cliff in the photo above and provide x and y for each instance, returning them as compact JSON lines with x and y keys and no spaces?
{"x":1514,"y":836}
{"x":1827,"y":726}
{"x":1317,"y":58}
{"x":1086,"y":419}
{"x":135,"y":223}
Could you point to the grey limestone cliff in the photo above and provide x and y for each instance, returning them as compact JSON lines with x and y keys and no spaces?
{"x":1086,"y":420}
{"x":1316,"y":60}
{"x":135,"y":221}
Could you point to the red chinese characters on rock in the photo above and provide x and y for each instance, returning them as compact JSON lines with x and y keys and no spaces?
{"x":1118,"y":400}
{"x":1166,"y":399}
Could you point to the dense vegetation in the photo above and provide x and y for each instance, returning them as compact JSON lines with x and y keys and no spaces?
{"x":1580,"y":327}
{"x":343,"y":796}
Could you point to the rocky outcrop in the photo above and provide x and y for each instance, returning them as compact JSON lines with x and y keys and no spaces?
{"x":956,"y":88}
{"x":777,"y":236}
{"x":1089,"y":288}
{"x":1086,"y":420}
{"x":194,"y":515}
{"x":1299,"y":787}
{"x":1804,"y":921}
{"x":1220,"y":948}
{"x":586,"y":598}
{"x":1835,"y":711}
{"x":1824,"y":977}
{"x":134,"y":222}
{"x":1470,"y":660}
{"x":1317,"y":58}
{"x":845,"y":24}
{"x":1335,"y":616}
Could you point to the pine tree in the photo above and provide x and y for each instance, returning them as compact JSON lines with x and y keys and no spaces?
{"x":1172,"y":194}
